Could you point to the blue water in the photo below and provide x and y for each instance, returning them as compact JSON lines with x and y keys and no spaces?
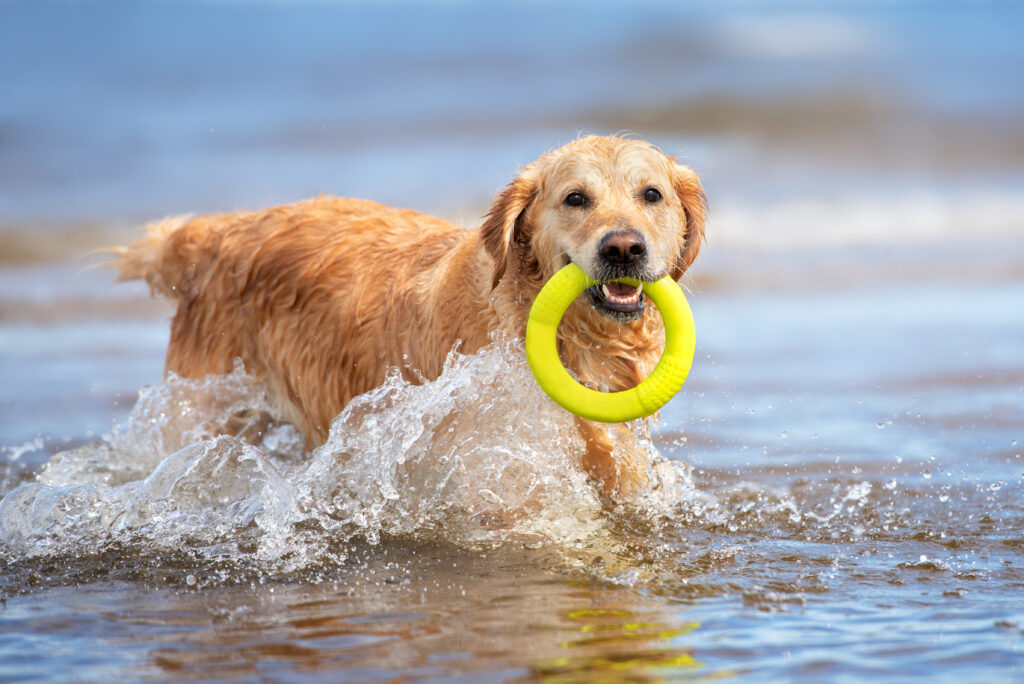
{"x":134,"y":109}
{"x":854,"y":418}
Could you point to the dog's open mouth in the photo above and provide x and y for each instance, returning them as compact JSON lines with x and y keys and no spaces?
{"x":619,"y":301}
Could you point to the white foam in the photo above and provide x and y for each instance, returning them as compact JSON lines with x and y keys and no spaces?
{"x":865,"y":218}
{"x":796,"y":35}
{"x":479,"y":455}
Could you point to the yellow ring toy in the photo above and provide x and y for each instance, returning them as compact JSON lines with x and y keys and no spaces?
{"x":608,"y":407}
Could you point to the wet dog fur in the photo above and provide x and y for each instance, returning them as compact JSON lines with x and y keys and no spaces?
{"x":321,"y":297}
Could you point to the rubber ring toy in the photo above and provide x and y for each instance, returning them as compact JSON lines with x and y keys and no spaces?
{"x":609,"y":407}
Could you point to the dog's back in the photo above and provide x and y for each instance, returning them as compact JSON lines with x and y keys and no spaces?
{"x":318,"y":297}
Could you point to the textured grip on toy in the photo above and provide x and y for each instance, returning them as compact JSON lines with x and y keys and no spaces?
{"x":608,"y":407}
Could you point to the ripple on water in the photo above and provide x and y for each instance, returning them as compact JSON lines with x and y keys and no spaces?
{"x":462,"y":497}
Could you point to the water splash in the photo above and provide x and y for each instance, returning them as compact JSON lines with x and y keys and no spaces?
{"x":478,"y":456}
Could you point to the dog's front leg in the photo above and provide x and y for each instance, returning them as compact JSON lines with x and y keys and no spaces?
{"x":613,"y":459}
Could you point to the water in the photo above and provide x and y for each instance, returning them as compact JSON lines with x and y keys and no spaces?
{"x":853,"y":510}
{"x":839,"y":482}
{"x":126,"y":111}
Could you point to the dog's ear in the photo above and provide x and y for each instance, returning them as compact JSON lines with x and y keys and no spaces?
{"x":504,"y":224}
{"x":691,"y":194}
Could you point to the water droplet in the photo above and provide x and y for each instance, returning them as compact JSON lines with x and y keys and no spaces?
{"x":890,"y":485}
{"x":880,"y":425}
{"x":784,"y":434}
{"x":190,"y":580}
{"x":927,"y":474}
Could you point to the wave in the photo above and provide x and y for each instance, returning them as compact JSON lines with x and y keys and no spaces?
{"x":830,"y":220}
{"x":812,"y":220}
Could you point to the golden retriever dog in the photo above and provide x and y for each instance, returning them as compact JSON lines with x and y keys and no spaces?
{"x":321,"y":297}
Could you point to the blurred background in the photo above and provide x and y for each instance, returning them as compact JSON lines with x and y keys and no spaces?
{"x":841,"y":144}
{"x":894,"y":120}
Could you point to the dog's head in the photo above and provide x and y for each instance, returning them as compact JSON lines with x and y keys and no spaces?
{"x":616,"y":207}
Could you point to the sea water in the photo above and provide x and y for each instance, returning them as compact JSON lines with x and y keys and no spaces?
{"x":837,"y":489}
{"x":842,"y":499}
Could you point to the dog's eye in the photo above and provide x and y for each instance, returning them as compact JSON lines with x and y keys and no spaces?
{"x":576,"y":199}
{"x":652,"y":195}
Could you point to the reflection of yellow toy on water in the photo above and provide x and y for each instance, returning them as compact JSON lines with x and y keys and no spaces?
{"x":609,"y":407}
{"x":618,"y":646}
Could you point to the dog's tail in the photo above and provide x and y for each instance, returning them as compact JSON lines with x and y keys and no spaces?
{"x":161,"y":257}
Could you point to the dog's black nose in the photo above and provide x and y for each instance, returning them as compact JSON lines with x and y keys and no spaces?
{"x":622,"y":248}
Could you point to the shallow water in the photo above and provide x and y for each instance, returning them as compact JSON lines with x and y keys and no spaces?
{"x":840,"y":478}
{"x":853,"y":510}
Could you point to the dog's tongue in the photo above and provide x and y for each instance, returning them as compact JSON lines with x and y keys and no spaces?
{"x":620,"y":289}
